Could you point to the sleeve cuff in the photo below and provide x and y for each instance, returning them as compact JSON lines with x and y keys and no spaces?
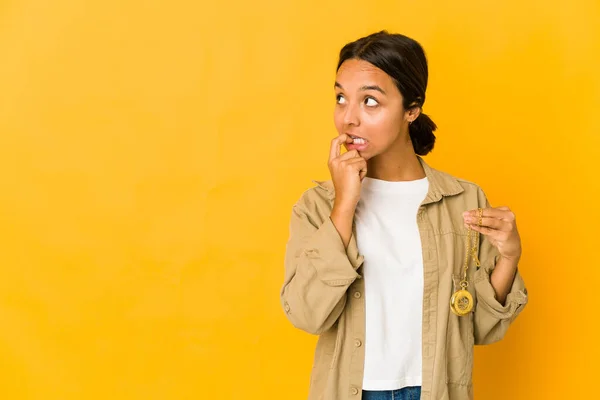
{"x":335,"y":265}
{"x":516,"y":298}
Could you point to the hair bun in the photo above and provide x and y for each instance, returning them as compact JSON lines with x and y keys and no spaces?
{"x":421,"y":134}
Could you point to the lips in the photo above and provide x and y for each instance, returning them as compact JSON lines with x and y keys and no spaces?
{"x":357,"y":139}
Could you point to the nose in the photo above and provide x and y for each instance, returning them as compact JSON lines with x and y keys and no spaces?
{"x":351,"y":115}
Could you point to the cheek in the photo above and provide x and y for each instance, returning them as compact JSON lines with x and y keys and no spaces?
{"x":383,"y":123}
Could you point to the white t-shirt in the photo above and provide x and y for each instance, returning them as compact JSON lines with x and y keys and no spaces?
{"x":388,"y":237}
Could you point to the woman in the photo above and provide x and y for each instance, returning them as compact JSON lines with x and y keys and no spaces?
{"x":385,"y":261}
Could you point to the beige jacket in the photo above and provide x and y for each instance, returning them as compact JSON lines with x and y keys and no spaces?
{"x":323,"y":292}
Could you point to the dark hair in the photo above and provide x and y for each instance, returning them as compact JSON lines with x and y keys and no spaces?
{"x":403,"y":59}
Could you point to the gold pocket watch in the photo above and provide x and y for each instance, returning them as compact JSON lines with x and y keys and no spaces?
{"x":461,"y":302}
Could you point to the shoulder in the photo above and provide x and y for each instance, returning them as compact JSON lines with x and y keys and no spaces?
{"x":451,"y":185}
{"x":315,"y":203}
{"x":320,"y":194}
{"x":472,"y":190}
{"x":468,"y":186}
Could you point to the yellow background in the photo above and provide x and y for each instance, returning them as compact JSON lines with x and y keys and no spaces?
{"x":151,"y":152}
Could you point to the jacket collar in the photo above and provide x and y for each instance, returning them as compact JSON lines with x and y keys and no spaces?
{"x":440,"y":184}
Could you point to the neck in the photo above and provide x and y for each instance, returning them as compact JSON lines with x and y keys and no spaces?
{"x":398,"y":165}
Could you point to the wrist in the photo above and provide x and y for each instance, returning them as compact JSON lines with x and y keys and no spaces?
{"x":343,"y":208}
{"x":511,"y":258}
{"x":509,"y":262}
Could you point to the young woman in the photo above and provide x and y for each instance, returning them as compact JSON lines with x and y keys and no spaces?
{"x":398,"y":267}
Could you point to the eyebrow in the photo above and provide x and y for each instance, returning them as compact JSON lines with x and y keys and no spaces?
{"x":369,"y":87}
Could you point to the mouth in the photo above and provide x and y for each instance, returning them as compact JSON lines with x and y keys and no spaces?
{"x":357,"y":139}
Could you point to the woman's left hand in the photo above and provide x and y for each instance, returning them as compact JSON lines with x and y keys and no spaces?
{"x":500,"y":227}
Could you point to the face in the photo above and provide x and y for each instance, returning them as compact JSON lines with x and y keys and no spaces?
{"x":369,"y":107}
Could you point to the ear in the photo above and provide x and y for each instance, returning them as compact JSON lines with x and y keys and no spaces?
{"x":412,"y":113}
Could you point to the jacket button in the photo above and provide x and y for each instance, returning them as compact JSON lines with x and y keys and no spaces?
{"x":357,"y":343}
{"x":357,"y":295}
{"x":354,"y":391}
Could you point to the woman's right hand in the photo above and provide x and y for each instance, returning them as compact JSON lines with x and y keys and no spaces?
{"x":347,"y":172}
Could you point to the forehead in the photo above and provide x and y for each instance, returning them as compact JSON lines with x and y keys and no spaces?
{"x":359,"y":72}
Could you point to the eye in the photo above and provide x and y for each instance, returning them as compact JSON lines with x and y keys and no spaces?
{"x":371,"y":102}
{"x":340,"y":99}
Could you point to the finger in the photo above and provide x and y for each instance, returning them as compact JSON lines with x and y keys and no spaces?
{"x":358,"y":162}
{"x":349,"y":155}
{"x":493,"y":223}
{"x":484,"y":230}
{"x":494,"y":235}
{"x":336,"y":143}
{"x":357,"y":159}
{"x":509,"y":215}
{"x":363,"y":174}
{"x":500,"y":212}
{"x":487,"y":212}
{"x":361,"y":165}
{"x":334,"y":149}
{"x":355,"y":163}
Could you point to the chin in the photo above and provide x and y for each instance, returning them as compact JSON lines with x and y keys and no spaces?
{"x":366,"y":155}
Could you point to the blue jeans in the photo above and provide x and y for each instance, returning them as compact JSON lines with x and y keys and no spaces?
{"x":407,"y":393}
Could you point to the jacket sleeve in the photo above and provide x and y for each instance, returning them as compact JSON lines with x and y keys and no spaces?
{"x":492,"y":319}
{"x":318,"y":272}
